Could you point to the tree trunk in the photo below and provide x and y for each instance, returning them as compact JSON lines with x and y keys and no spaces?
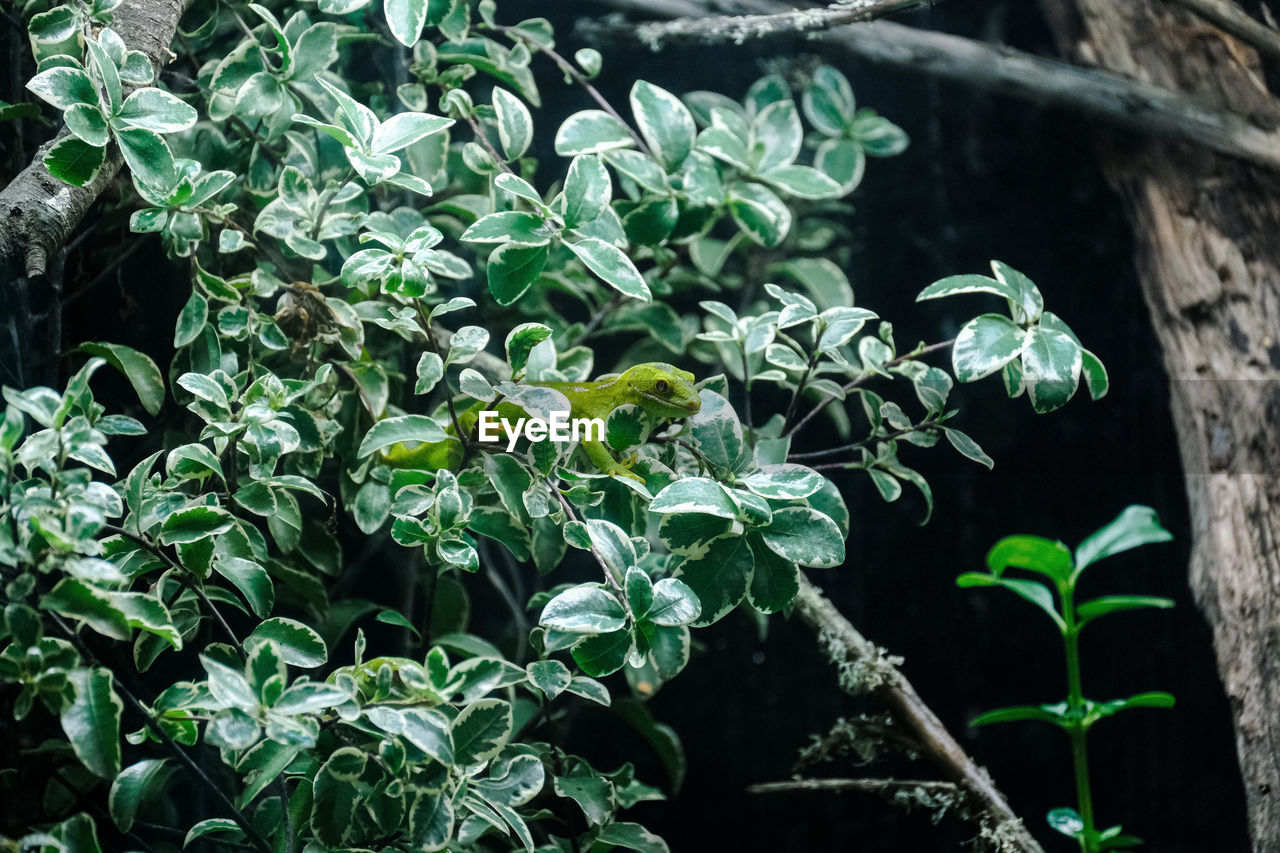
{"x":1208,"y":237}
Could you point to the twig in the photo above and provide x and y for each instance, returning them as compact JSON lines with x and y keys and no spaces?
{"x":872,"y":786}
{"x":740,"y":29}
{"x":186,"y":579}
{"x":615,"y":582}
{"x":866,"y":442}
{"x":850,"y":648}
{"x":854,"y":383}
{"x":578,"y":77}
{"x":1119,"y":101}
{"x":1231,"y":19}
{"x":238,"y":816}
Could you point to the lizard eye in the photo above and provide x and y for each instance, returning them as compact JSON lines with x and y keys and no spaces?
{"x":662,"y":387}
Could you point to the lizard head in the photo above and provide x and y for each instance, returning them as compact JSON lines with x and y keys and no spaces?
{"x":664,"y":390}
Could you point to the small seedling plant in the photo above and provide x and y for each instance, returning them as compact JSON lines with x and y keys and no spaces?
{"x":1056,"y":596}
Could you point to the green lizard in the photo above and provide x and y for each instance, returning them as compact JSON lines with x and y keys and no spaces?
{"x":660,"y":389}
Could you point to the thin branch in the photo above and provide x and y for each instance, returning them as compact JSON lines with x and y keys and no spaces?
{"x":854,"y":383}
{"x":186,"y":760}
{"x":186,"y":579}
{"x":1110,"y":98}
{"x":1230,"y":18}
{"x":615,"y":582}
{"x":870,"y":786}
{"x":578,"y":77}
{"x":740,"y":29}
{"x":850,"y":650}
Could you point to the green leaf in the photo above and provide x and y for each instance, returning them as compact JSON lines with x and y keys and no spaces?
{"x":481,"y":731}
{"x":584,"y":609}
{"x":336,"y":796}
{"x":509,"y":226}
{"x":521,"y":340}
{"x":1016,"y":714}
{"x":828,"y":101}
{"x":92,"y":721}
{"x":587,"y":191}
{"x":1033,"y":553}
{"x":143,"y":611}
{"x":515,"y":125}
{"x":805,"y":536}
{"x":1067,"y":821}
{"x":776,"y":136}
{"x":968,"y":448}
{"x":155,"y":109}
{"x":718,"y":433}
{"x":1037,"y":593}
{"x":953,"y":284}
{"x":674,"y":603}
{"x":75,"y":599}
{"x":308,"y":698}
{"x":194,"y":523}
{"x":632,"y":836}
{"x":784,"y":482}
{"x":191,"y":320}
{"x":1136,"y":525}
{"x":299,"y":644}
{"x":1154,"y":699}
{"x":428,"y":730}
{"x":389,"y":431}
{"x":842,"y":160}
{"x":511,"y":270}
{"x":229,"y":687}
{"x":1051,"y":365}
{"x":406,"y":18}
{"x":720,"y":578}
{"x":549,"y":676}
{"x":252,"y":580}
{"x":1095,"y":375}
{"x":761,"y":215}
{"x":314,"y":51}
{"x":404,"y":129}
{"x":589,"y":688}
{"x":603,"y":654}
{"x":1030,"y":301}
{"x":664,"y":122}
{"x":135,"y":785}
{"x":431,"y":820}
{"x":612,"y":266}
{"x":138,"y":368}
{"x":590,"y":132}
{"x":879,"y":136}
{"x":775,"y":582}
{"x":210,"y":826}
{"x":593,"y":793}
{"x":148,"y":155}
{"x":87,"y":123}
{"x":984,"y":345}
{"x":64,"y":87}
{"x":695,"y":495}
{"x":1090,"y":610}
{"x":802,"y":182}
{"x":74,"y":161}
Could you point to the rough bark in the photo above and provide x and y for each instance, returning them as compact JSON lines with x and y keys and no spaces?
{"x":37,"y":211}
{"x":1208,"y":234}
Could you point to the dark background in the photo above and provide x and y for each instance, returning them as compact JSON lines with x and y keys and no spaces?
{"x":985,"y":177}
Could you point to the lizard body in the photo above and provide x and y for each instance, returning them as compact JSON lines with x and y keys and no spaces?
{"x":660,"y":389}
